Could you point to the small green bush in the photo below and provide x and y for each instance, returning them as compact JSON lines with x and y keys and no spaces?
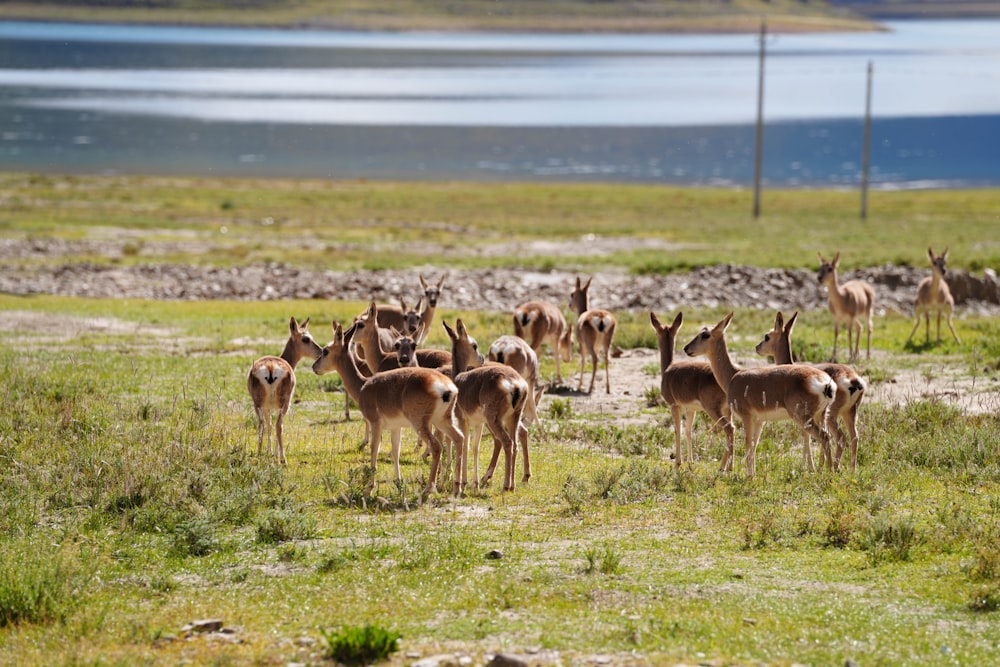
{"x":361,"y":645}
{"x":281,"y":525}
{"x":196,"y":537}
{"x":890,"y":539}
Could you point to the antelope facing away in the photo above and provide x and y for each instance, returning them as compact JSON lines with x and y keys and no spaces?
{"x":687,"y":387}
{"x":515,"y":352}
{"x":271,"y":383}
{"x":934,"y":296}
{"x":850,"y":388}
{"x":493,"y":395}
{"x":595,"y":330}
{"x":421,"y":398}
{"x":849,"y":303}
{"x":776,"y":393}
{"x":540,"y":322}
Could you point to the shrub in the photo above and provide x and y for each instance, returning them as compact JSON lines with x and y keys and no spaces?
{"x":985,"y":599}
{"x":890,"y":539}
{"x":361,"y":645}
{"x":36,"y":586}
{"x":195,"y":538}
{"x":280,"y":525}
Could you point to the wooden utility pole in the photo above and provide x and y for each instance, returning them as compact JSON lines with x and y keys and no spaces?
{"x":866,"y":146}
{"x":759,"y":144}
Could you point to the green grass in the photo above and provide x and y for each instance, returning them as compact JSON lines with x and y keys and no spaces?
{"x":553,"y":15}
{"x":132,"y":500}
{"x":130,"y":468}
{"x":352,"y":225}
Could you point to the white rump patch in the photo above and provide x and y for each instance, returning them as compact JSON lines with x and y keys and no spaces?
{"x":818,"y":384}
{"x":276,"y":372}
{"x":441,"y":387}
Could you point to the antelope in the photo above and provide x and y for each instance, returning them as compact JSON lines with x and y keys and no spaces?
{"x":493,"y":395}
{"x":369,"y":340}
{"x":848,"y":303}
{"x":271,"y":383}
{"x":421,"y":398}
{"x":540,"y":322}
{"x":687,"y":387}
{"x":757,"y":395}
{"x":402,"y":317}
{"x":850,"y":388}
{"x":595,"y":329}
{"x":515,"y":352}
{"x":934,"y":296}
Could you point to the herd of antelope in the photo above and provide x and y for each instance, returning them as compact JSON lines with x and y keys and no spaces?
{"x":454,"y":395}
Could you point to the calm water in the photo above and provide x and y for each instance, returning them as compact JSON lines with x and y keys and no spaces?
{"x":649,"y":108}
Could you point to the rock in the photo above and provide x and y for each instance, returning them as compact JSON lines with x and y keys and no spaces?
{"x":203,"y":625}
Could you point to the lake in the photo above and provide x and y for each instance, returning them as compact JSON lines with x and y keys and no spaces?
{"x":625,"y":108}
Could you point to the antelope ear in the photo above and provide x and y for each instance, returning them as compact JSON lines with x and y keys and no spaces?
{"x":655,"y":321}
{"x":420,"y":302}
{"x":836,"y":259}
{"x":587,"y":286}
{"x":578,"y":283}
{"x":678,"y":320}
{"x":724,"y":324}
{"x":423,"y":283}
{"x":460,"y":327}
{"x":779,"y":321}
{"x":371,"y":309}
{"x":451,"y":332}
{"x":293,"y":326}
{"x":791,"y":323}
{"x":305,"y":323}
{"x":441,"y":282}
{"x":944,"y":255}
{"x":930,"y":253}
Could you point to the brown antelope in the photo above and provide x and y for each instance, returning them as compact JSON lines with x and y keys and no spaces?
{"x":493,"y":395}
{"x":687,"y":387}
{"x":271,"y":383}
{"x":849,"y":303}
{"x":595,"y":330}
{"x":405,"y":319}
{"x":850,"y":388}
{"x":368,"y":339}
{"x":934,"y":296}
{"x":421,"y":398}
{"x":515,"y":352}
{"x":540,"y":322}
{"x":757,"y":395}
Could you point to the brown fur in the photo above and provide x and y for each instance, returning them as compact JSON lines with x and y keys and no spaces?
{"x":934,"y":296}
{"x":540,"y":322}
{"x":595,"y":331}
{"x":849,"y":303}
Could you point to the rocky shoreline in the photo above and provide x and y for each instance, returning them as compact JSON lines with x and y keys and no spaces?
{"x":495,"y":289}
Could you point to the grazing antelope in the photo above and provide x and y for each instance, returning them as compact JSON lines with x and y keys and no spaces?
{"x":515,"y":352}
{"x":848,"y":303}
{"x":540,"y":322}
{"x":595,"y":329}
{"x":493,"y":395}
{"x":421,"y":398}
{"x":934,"y":296}
{"x":850,"y":388}
{"x":687,"y":387}
{"x":757,"y":395}
{"x":271,"y":383}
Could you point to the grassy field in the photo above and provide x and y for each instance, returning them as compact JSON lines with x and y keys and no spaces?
{"x":132,"y":501}
{"x":476,"y":15}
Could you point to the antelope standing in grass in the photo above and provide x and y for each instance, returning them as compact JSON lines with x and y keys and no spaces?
{"x":407,"y":320}
{"x":757,"y":395}
{"x":271,"y":383}
{"x":850,"y":388}
{"x":493,"y":395}
{"x":934,"y":296}
{"x":515,"y":352}
{"x":849,"y":303}
{"x":540,"y":322}
{"x":421,"y":398}
{"x":595,"y":330}
{"x":687,"y":387}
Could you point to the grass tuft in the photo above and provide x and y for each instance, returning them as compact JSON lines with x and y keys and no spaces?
{"x":360,"y":645}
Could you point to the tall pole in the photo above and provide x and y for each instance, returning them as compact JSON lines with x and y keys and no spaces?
{"x":759,"y":144}
{"x":866,"y":146}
